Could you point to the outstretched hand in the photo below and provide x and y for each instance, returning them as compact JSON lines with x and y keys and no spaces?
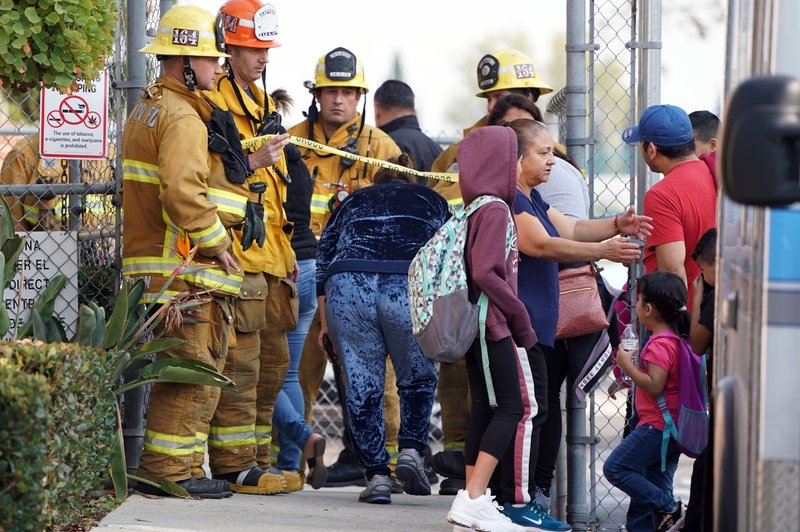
{"x":621,"y":249}
{"x":633,"y":224}
{"x":269,"y":153}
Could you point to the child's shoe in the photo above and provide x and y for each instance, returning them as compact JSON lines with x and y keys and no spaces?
{"x":533,"y":517}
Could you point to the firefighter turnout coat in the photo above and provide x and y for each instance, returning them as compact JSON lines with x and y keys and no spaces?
{"x":174,"y":187}
{"x":329,"y":172}
{"x":276,"y":257}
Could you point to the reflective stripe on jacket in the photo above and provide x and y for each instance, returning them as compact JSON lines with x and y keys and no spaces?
{"x":447,"y":162}
{"x":327,"y":169}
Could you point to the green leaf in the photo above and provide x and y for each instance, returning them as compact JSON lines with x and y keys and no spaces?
{"x":100,"y":324}
{"x":42,"y":59}
{"x":5,"y":322}
{"x":55,"y":331}
{"x":6,"y":221}
{"x":12,"y":249}
{"x":156,"y":346}
{"x":53,"y":17}
{"x":32,"y":15}
{"x":39,"y":331}
{"x":87,"y":321}
{"x":178,"y":370}
{"x":118,"y":468}
{"x":116,"y":324}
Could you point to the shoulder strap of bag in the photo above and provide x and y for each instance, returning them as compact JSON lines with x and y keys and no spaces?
{"x":483,"y":309}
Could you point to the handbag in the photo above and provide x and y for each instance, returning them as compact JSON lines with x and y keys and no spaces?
{"x":580,"y":310}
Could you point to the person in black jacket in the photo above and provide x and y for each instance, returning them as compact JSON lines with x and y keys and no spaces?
{"x":396,"y":116}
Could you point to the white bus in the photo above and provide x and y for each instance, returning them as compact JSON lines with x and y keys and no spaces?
{"x":757,"y":337}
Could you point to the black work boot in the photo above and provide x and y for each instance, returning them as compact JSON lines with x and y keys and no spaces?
{"x":345,"y":474}
{"x":449,"y":464}
{"x":427,"y":456}
{"x":202,"y":488}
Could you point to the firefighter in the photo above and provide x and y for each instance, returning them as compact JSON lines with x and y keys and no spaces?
{"x":240,"y":436}
{"x":499,"y":73}
{"x":178,"y":185}
{"x":338,"y":86}
{"x":46,"y":211}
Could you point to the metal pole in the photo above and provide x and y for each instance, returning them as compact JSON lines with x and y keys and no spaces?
{"x":577,"y":141}
{"x":133,"y":413}
{"x":649,"y":87}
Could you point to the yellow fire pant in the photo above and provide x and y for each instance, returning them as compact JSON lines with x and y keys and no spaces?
{"x":241,"y":426}
{"x":175,"y":409}
{"x":455,"y":402}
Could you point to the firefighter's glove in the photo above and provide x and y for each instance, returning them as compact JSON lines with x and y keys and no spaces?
{"x":254,"y":229}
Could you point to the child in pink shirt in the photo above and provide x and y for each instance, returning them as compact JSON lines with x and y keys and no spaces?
{"x":635,"y":465}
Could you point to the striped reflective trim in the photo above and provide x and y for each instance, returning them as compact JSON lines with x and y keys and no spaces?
{"x":159,"y":442}
{"x":212,"y":278}
{"x":232,"y":436}
{"x":319,"y":203}
{"x":200,"y":439}
{"x":33,"y":210}
{"x":393,"y":451}
{"x":264,"y":434}
{"x":455,"y":201}
{"x":227,"y":201}
{"x":138,"y":171}
{"x":454,"y":446}
{"x":209,"y":237}
{"x":151,"y":298}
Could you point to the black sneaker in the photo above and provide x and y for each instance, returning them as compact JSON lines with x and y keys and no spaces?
{"x":433,"y":478}
{"x":666,"y":520}
{"x":345,"y":474}
{"x":449,"y":464}
{"x":451,"y":486}
{"x":202,"y":488}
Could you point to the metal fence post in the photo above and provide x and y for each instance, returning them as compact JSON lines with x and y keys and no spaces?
{"x":576,"y":141}
{"x":133,"y":413}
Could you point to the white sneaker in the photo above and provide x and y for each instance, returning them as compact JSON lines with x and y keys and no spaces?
{"x":482,"y":514}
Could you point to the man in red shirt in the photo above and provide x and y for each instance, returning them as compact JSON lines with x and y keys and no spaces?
{"x":683,"y":204}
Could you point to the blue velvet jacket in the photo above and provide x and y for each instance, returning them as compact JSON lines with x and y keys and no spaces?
{"x":379,"y":229}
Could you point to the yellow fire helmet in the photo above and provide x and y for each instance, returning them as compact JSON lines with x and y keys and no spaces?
{"x":188,"y":31}
{"x":338,"y":68}
{"x":508,"y":69}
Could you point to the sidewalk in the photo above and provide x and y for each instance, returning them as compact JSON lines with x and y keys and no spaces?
{"x":329,"y":509}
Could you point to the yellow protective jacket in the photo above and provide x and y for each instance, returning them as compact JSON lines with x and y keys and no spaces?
{"x":174,"y":187}
{"x":327,"y":169}
{"x":23,"y":166}
{"x":447,"y":162}
{"x":276,"y":257}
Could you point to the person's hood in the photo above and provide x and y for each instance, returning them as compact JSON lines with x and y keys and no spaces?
{"x":710,"y":159}
{"x":487,"y":164}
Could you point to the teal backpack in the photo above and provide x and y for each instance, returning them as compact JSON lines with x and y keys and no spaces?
{"x":444,"y":321}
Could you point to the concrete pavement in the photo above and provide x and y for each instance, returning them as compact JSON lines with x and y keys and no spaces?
{"x":329,"y":509}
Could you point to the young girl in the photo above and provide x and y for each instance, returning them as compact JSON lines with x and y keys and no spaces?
{"x":635,"y":465}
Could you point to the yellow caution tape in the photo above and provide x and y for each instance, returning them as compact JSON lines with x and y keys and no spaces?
{"x":255,"y":142}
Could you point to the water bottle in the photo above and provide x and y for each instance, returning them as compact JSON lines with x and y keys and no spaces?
{"x":629,"y":341}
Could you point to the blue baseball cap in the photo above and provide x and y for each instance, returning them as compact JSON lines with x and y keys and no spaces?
{"x":663,"y":125}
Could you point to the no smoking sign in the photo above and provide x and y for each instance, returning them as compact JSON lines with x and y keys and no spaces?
{"x":74,"y":126}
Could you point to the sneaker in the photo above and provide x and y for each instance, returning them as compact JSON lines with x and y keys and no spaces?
{"x":397,"y":484}
{"x":411,"y":472}
{"x":427,"y":457}
{"x":378,"y":490}
{"x":344,"y":474}
{"x":543,"y":498}
{"x":666,"y":519}
{"x":481,"y":514}
{"x":449,"y":464}
{"x":202,"y":488}
{"x":533,"y":517}
{"x":451,"y":486}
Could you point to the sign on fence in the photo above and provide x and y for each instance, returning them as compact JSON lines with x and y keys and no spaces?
{"x":74,"y":126}
{"x":46,"y":254}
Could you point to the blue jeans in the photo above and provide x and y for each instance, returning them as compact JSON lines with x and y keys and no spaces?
{"x":289,"y":407}
{"x":635,"y":468}
{"x":368,"y":316}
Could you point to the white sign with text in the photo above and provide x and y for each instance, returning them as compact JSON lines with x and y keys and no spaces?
{"x":74,"y":126}
{"x":46,"y":254}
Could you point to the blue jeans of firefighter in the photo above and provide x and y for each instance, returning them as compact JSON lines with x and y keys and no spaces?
{"x":289,"y":407}
{"x":635,"y":468}
{"x":368,"y":316}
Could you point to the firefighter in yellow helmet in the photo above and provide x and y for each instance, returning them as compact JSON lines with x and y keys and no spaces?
{"x":182,"y":186}
{"x":337,"y":87}
{"x":499,"y":74}
{"x":239,"y":439}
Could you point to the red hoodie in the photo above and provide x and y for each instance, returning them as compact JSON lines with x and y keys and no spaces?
{"x":487,"y":164}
